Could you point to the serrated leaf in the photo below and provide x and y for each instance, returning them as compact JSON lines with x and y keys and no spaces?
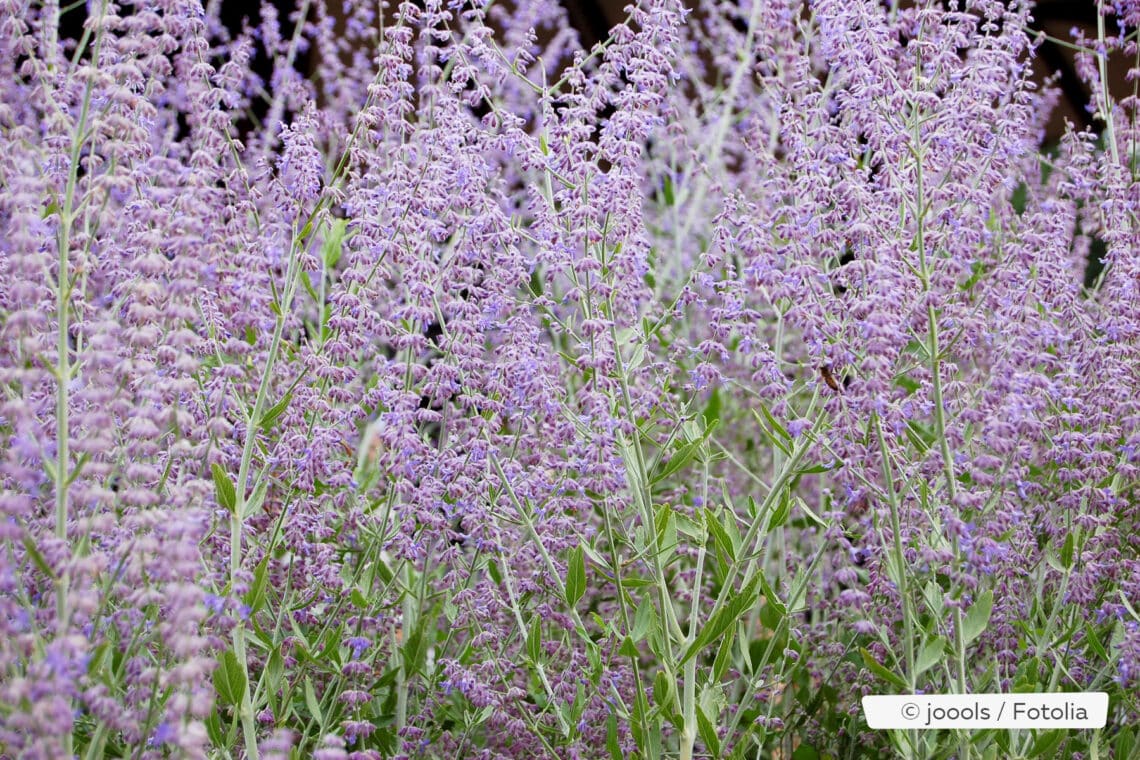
{"x":414,"y":650}
{"x":930,"y":655}
{"x":275,"y":669}
{"x":575,"y":576}
{"x":711,"y":414}
{"x":214,"y":729}
{"x":774,"y":602}
{"x":707,"y":730}
{"x":275,"y":411}
{"x":666,"y":525}
{"x":1128,"y":605}
{"x":613,"y":746}
{"x":977,"y":617}
{"x":691,"y":528}
{"x":1094,"y":642}
{"x":37,"y":558}
{"x":664,"y":690}
{"x":334,"y":243}
{"x":783,"y":510}
{"x":256,"y":499}
{"x":1067,"y":551}
{"x":772,"y":425}
{"x":229,"y":679}
{"x":312,"y":703}
{"x":1126,"y":743}
{"x":534,"y":640}
{"x":723,"y":659}
{"x":880,"y":671}
{"x":224,"y":490}
{"x":680,"y":458}
{"x":1046,"y":743}
{"x":809,"y":514}
{"x":640,"y":710}
{"x":724,"y":619}
{"x":907,"y":383}
{"x":255,"y":596}
{"x":720,"y":536}
{"x":645,"y":620}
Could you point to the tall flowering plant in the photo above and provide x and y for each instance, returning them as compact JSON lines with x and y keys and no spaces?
{"x":479,"y":394}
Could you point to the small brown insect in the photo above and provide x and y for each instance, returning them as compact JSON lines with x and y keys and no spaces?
{"x":832,"y":383}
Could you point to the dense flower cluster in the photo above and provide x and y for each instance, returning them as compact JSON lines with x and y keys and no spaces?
{"x":478,"y":394}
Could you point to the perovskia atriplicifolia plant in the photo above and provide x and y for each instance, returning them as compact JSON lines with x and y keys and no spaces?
{"x":476,"y":394}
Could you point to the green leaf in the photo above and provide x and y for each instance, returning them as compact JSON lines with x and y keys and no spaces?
{"x":1067,"y":550}
{"x":312,"y":703}
{"x":680,"y":458}
{"x":214,"y":729}
{"x":414,"y":650}
{"x":724,"y":619}
{"x":644,"y":620}
{"x":773,"y":423}
{"x":720,"y":536}
{"x":711,"y":415}
{"x":691,"y":528}
{"x":783,"y":510}
{"x":37,"y":558}
{"x":1128,"y":606}
{"x":920,"y":435}
{"x":229,"y":679}
{"x":664,"y":691}
{"x":777,"y":606}
{"x":575,"y":576}
{"x":977,"y":617}
{"x":1094,"y":642}
{"x":667,"y":191}
{"x":308,"y":284}
{"x":334,"y":242}
{"x":907,"y":383}
{"x":930,"y":655}
{"x":275,"y":669}
{"x":707,"y":730}
{"x":534,"y":640}
{"x":224,"y":490}
{"x":612,"y":743}
{"x":256,"y":499}
{"x":880,"y":671}
{"x":267,"y":419}
{"x":1046,"y":743}
{"x":1126,"y":743}
{"x":723,"y":659}
{"x":666,"y":530}
{"x":255,"y":597}
{"x":636,"y":726}
{"x":809,"y":514}
{"x":805,"y":752}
